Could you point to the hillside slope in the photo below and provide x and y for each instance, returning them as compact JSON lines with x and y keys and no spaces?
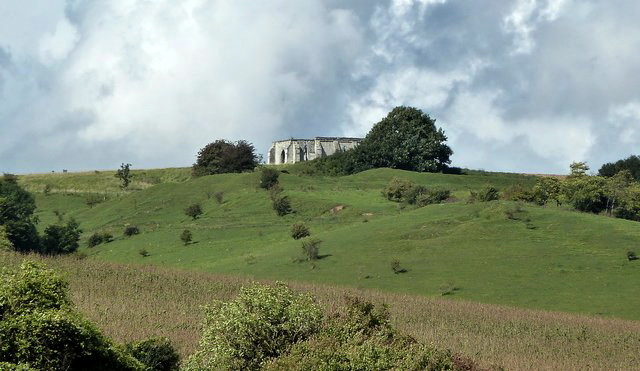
{"x":498,"y":252}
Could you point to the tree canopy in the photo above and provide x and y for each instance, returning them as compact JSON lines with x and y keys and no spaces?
{"x":406,"y":139}
{"x":223,"y":156}
{"x":631,"y":163}
{"x":17,"y":208}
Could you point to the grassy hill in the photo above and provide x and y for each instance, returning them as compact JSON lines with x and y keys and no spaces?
{"x":498,"y":252}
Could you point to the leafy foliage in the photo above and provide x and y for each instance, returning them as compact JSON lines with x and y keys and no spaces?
{"x":124,"y":174}
{"x":299,"y":230}
{"x":486,"y":194}
{"x":402,"y":190}
{"x":263,"y":322}
{"x":631,"y":164}
{"x":61,"y":238}
{"x":193,"y":211}
{"x":99,"y":238}
{"x":406,"y":139}
{"x":281,"y":205}
{"x":268,"y":177}
{"x":223,"y":156}
{"x":17,"y":208}
{"x":186,"y":236}
{"x":39,"y":328}
{"x":131,"y":230}
{"x":157,"y":354}
{"x":311,"y":248}
{"x":361,"y":338}
{"x":5,"y":244}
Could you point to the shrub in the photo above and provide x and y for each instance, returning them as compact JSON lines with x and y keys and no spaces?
{"x":39,"y":327}
{"x":432,"y":196}
{"x":17,"y":208}
{"x":193,"y":211}
{"x":61,"y":239}
{"x":99,"y":238}
{"x":47,"y":189}
{"x":5,"y":244}
{"x":396,"y":267}
{"x":131,"y":230}
{"x":263,"y":322}
{"x":311,"y":248}
{"x":186,"y":236}
{"x":223,"y":156}
{"x":94,"y":199}
{"x":518,"y":192}
{"x":156,"y":354}
{"x":124,"y":174}
{"x":486,"y":194}
{"x":413,"y":193}
{"x":219,"y":197}
{"x":268,"y":177}
{"x":143,"y":252}
{"x":299,"y":230}
{"x":397,"y":189}
{"x":361,"y":337}
{"x":631,"y":255}
{"x":282,"y":205}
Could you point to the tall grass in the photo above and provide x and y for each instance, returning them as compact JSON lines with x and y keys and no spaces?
{"x":134,"y":302}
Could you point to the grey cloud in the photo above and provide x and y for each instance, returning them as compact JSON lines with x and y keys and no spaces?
{"x":517,"y":85}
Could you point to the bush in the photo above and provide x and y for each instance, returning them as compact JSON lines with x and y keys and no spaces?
{"x":143,"y":252}
{"x":5,"y":244}
{"x":17,"y":208}
{"x":219,"y":196}
{"x":186,"y":236}
{"x":223,"y":156}
{"x":268,"y":177}
{"x":311,"y":248}
{"x":99,"y":238}
{"x":39,"y":328}
{"x":432,"y":196}
{"x":518,"y":192}
{"x":193,"y":211}
{"x":263,"y":322}
{"x":131,"y":230}
{"x":47,"y":189}
{"x":156,"y":354}
{"x":94,"y":199}
{"x":124,"y":174}
{"x":361,"y":337}
{"x":61,"y":239}
{"x":281,"y":205}
{"x":396,"y":267}
{"x":299,"y":230}
{"x":397,"y":189}
{"x":486,"y":194}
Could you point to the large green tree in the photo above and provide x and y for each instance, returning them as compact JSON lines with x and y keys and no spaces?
{"x":223,"y":156}
{"x":16,"y":215}
{"x":406,"y":139}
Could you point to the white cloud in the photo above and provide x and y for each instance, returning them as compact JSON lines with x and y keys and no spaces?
{"x":57,"y":45}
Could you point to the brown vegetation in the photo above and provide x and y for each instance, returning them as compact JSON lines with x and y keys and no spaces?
{"x":136,"y":302}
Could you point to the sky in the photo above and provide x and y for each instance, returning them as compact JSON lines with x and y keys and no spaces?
{"x":520,"y":85}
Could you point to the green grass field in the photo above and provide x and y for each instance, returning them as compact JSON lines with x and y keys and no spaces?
{"x":543,"y":257}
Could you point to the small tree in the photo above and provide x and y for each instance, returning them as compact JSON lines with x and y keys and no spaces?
{"x":5,"y":244}
{"x":268,"y":177}
{"x":156,"y":354}
{"x":61,"y":239}
{"x":186,"y":236}
{"x":223,"y":156}
{"x":193,"y":211}
{"x":299,"y":230}
{"x":282,"y":205}
{"x":131,"y":230}
{"x":311,"y":248}
{"x":124,"y":175}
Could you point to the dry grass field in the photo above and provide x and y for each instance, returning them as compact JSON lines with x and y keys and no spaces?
{"x":134,"y":302}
